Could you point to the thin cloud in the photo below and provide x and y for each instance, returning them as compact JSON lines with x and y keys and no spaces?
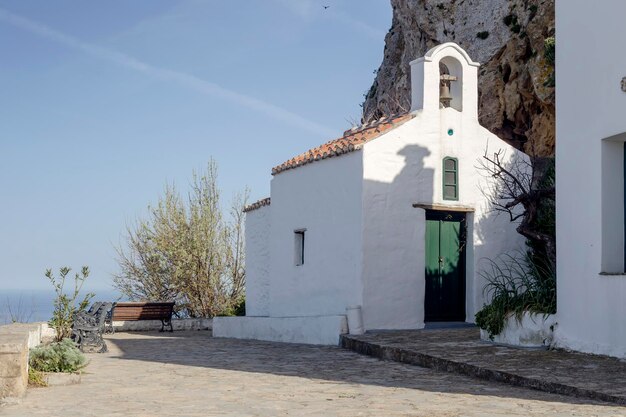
{"x":309,"y":9}
{"x":302,"y":8}
{"x":372,"y":32}
{"x":184,"y":79}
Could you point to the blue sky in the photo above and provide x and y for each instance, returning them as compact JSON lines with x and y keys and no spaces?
{"x":103,"y":102}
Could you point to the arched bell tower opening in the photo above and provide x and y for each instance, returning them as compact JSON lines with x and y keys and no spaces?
{"x":451,"y":83}
{"x":445,"y":77}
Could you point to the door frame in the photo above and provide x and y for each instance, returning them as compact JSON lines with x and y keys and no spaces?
{"x":461,"y":216}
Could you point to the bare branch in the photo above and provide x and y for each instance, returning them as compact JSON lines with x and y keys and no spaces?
{"x":520,"y":188}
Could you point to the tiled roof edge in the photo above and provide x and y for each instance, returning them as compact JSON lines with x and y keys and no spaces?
{"x":339,"y":146}
{"x":257,"y":205}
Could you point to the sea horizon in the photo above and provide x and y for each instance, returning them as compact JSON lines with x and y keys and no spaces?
{"x":35,"y":305}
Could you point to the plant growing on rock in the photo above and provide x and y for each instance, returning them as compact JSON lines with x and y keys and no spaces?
{"x":65,"y":305}
{"x":549,"y":53}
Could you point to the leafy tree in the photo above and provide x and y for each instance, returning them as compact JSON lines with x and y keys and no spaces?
{"x":187,"y":251}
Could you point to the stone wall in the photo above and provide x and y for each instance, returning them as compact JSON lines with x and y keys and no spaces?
{"x":15,"y":342}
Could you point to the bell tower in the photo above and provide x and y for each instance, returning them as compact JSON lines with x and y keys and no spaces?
{"x":445,"y":77}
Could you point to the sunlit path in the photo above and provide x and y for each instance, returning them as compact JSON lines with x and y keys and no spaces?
{"x":192,"y":374}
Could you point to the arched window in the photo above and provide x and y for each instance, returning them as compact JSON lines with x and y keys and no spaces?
{"x":450,"y":178}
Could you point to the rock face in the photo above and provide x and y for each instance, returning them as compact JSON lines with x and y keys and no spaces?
{"x":508,"y":38}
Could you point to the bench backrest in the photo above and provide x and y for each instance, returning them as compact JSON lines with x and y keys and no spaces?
{"x":95,"y":307}
{"x":143,"y":311}
{"x":102,"y":312}
{"x":96,"y":317}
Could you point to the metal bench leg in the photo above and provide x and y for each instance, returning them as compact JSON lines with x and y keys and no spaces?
{"x":166,"y":322}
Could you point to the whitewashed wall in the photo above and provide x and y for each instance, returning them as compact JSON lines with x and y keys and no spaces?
{"x":364,"y":241}
{"x":258,"y":261}
{"x":590,"y":107}
{"x":404,"y":167}
{"x":325,"y":199}
{"x":317,"y":330}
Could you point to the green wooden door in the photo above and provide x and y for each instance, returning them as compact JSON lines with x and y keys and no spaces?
{"x":445,"y":266}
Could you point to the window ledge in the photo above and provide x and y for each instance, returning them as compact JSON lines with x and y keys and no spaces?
{"x":613,"y":274}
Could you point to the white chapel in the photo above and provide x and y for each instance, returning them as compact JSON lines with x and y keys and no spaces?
{"x":389,"y":222}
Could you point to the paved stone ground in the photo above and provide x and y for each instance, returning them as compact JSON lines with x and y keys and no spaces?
{"x":461,"y":351}
{"x":192,"y":374}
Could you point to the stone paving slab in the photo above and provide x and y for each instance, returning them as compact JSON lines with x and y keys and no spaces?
{"x":192,"y":374}
{"x":461,"y":351}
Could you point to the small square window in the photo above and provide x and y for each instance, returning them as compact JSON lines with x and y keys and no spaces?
{"x":299,"y":247}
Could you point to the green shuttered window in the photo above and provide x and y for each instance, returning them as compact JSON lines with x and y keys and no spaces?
{"x":450,"y":178}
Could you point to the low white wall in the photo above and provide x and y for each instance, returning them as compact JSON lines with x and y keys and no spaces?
{"x":533,"y":330}
{"x":150,"y":325}
{"x":320,"y":330}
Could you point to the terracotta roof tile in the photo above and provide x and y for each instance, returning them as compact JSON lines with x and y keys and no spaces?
{"x":257,"y":205}
{"x":351,"y":140}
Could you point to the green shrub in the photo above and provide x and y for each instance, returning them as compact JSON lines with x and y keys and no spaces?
{"x":61,"y":356}
{"x":516,"y":284}
{"x":65,"y":305}
{"x":240,"y":308}
{"x":35,"y":378}
{"x":237,"y":309}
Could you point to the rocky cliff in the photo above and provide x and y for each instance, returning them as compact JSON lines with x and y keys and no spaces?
{"x":508,"y":38}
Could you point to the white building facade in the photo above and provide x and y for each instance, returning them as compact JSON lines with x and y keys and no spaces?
{"x":591,"y":131}
{"x":392,"y":217}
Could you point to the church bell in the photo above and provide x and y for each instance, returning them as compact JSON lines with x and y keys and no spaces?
{"x":444,"y":93}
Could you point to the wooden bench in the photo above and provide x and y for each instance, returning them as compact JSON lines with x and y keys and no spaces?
{"x":145,"y":311}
